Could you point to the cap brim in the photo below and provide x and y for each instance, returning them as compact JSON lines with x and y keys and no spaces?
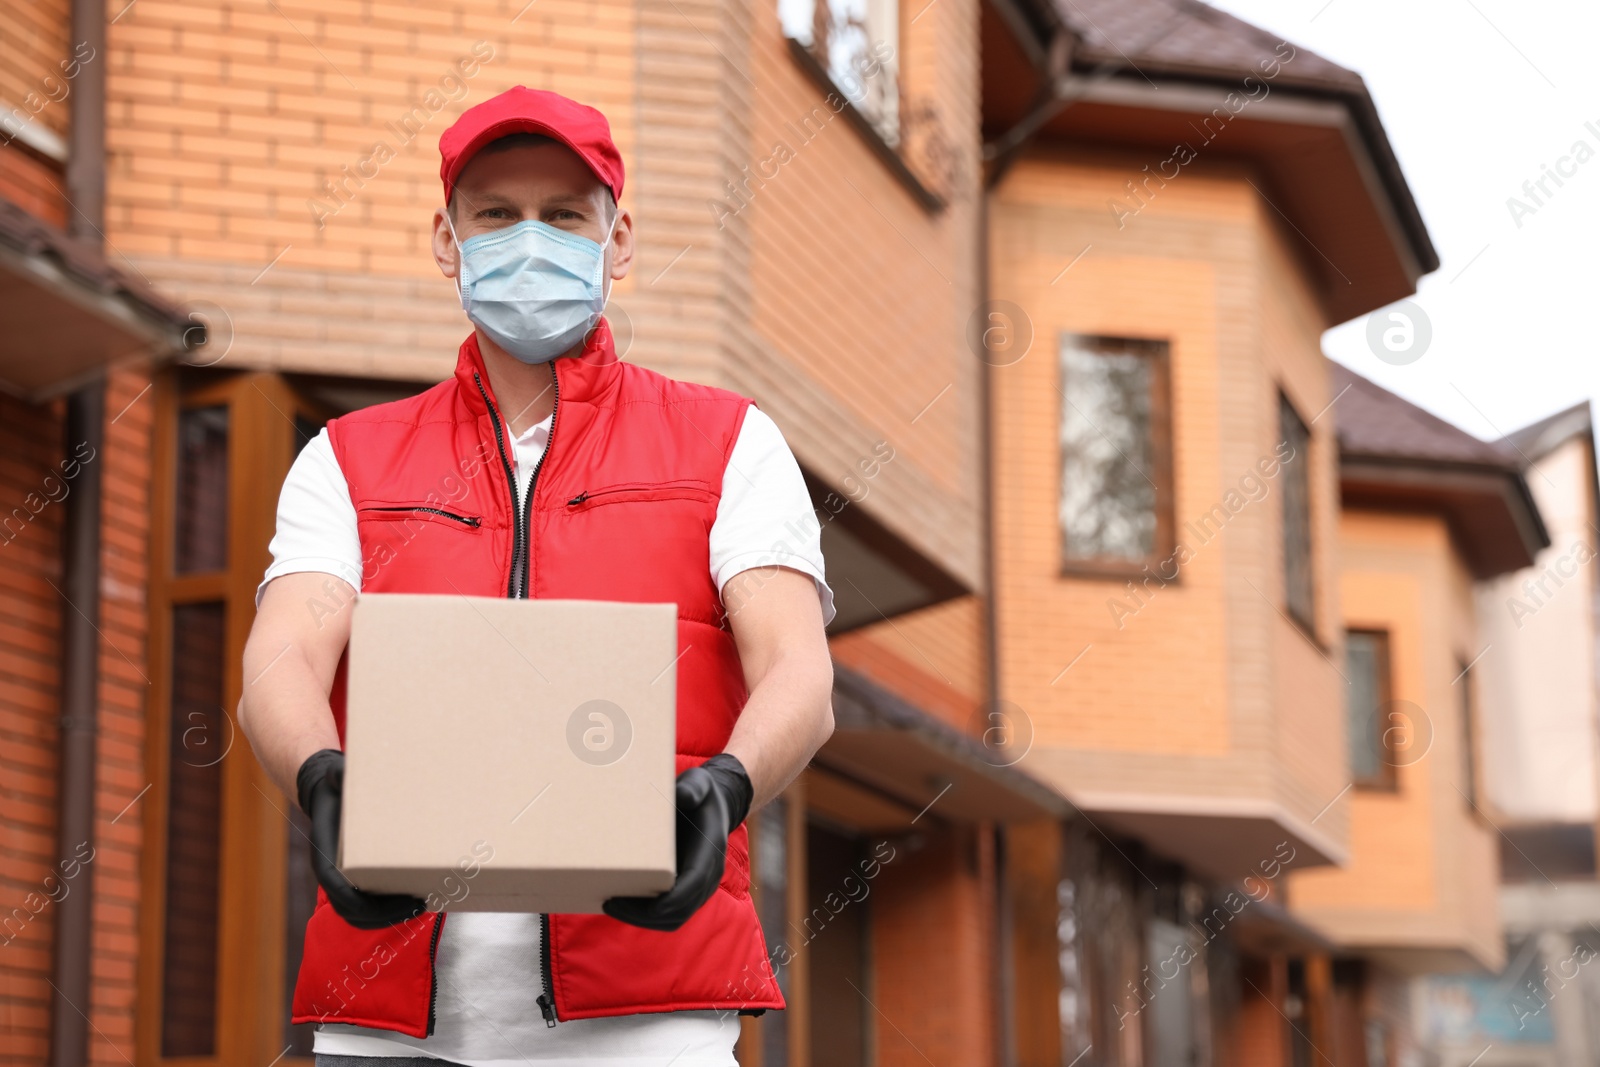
{"x":505,"y":128}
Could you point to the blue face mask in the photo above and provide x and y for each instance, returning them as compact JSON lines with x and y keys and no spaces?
{"x":536,"y":291}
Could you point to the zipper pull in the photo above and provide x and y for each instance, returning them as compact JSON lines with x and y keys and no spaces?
{"x":547,"y":1008}
{"x":580,"y":498}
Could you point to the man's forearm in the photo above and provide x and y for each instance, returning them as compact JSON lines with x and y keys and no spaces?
{"x":286,"y":716}
{"x":289,"y":664}
{"x":787,"y":718}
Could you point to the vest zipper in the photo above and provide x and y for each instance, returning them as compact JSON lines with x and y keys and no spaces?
{"x":433,"y":972}
{"x":547,"y":999}
{"x":533,"y":483}
{"x":511,"y":484}
{"x":465,"y":520}
{"x":521,"y":549}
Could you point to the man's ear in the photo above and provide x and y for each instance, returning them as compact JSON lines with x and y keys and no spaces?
{"x":622,"y":246}
{"x":445,"y":252}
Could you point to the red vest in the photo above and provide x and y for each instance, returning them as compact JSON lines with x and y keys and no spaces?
{"x":621,"y":509}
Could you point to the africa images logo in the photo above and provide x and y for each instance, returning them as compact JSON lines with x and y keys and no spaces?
{"x":599,"y":732}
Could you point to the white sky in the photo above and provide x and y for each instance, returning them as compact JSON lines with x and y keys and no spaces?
{"x":1478,"y":95}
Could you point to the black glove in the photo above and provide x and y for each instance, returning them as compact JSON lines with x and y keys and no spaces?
{"x":321,"y":786}
{"x":713,"y":800}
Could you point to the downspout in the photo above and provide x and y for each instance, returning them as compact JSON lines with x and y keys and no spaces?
{"x":1002,"y":987}
{"x":999,"y":155}
{"x":80,"y":647}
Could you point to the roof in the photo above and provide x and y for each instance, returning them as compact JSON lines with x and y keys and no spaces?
{"x":1394,"y":456}
{"x":1189,"y":39}
{"x":1178,"y":37}
{"x":1539,"y":439}
{"x":897,"y":748}
{"x":84,"y":263}
{"x":68,"y":312}
{"x":1145,"y":75}
{"x":1375,"y":422}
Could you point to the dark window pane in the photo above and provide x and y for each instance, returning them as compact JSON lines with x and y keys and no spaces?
{"x":201,"y":507}
{"x":300,"y":900}
{"x":1367,"y":667}
{"x":1547,"y":852}
{"x":1469,"y":737}
{"x":1171,"y":1026}
{"x":1101,"y":938}
{"x":1108,"y":487}
{"x":772,"y":880}
{"x":1297,"y":580}
{"x":305,"y":430}
{"x":197,"y":741}
{"x":855,"y":41}
{"x":837,"y":945}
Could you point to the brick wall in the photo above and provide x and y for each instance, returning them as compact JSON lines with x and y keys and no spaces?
{"x":279,"y":164}
{"x":932,"y":952}
{"x":1186,"y":690}
{"x":36,"y":84}
{"x":30,"y":662}
{"x":34,"y":37}
{"x":30,"y":655}
{"x":933,"y":657}
{"x":124,"y":681}
{"x":859,"y":296}
{"x":1423,"y":869}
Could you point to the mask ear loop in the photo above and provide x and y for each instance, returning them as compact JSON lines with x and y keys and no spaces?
{"x":461,"y":259}
{"x":605,"y":300}
{"x":605,"y":280}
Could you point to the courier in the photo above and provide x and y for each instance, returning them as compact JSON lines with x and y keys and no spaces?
{"x":549,"y":549}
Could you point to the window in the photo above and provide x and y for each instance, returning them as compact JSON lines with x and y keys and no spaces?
{"x":1297,"y":576}
{"x":771,"y":845}
{"x":1116,"y":510}
{"x":857,"y":43}
{"x":1366,"y":654}
{"x":1170,"y":1015}
{"x":840,"y":971}
{"x":227,"y":891}
{"x":1469,"y":736}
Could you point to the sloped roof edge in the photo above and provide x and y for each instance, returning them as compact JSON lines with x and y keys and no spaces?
{"x":1190,"y":40}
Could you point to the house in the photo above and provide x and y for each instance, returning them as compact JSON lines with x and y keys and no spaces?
{"x":1536,"y":776}
{"x":74,"y":481}
{"x":1428,"y":513}
{"x":807,"y":205}
{"x":1035,"y":291}
{"x":1199,"y":563}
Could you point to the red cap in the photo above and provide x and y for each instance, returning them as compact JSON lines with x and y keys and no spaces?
{"x":524,"y":110}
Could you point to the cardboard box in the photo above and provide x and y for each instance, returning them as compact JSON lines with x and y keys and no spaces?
{"x":510,"y":755}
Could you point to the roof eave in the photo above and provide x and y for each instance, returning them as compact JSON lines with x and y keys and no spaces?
{"x":1454,"y":490}
{"x":1357,"y":103}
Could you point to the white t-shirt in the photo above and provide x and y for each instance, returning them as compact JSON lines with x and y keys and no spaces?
{"x":487,"y":963}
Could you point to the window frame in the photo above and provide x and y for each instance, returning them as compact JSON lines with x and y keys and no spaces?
{"x":1387,"y":780}
{"x":250,"y":979}
{"x":1307,"y":622}
{"x":750,"y":1051}
{"x":891,"y":156}
{"x":1159,"y":352}
{"x":1467,"y":709}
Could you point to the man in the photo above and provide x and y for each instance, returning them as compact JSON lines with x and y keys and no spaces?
{"x":547,"y":467}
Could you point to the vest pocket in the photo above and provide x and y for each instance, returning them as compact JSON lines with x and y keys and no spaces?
{"x":634,"y":492}
{"x":423,"y":512}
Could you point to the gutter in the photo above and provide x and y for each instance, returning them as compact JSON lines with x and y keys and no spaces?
{"x":1052,"y":61}
{"x":80,"y":667}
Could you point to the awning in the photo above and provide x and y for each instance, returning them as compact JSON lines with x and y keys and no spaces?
{"x":912,"y":759}
{"x":65,"y":313}
{"x":874,"y":573}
